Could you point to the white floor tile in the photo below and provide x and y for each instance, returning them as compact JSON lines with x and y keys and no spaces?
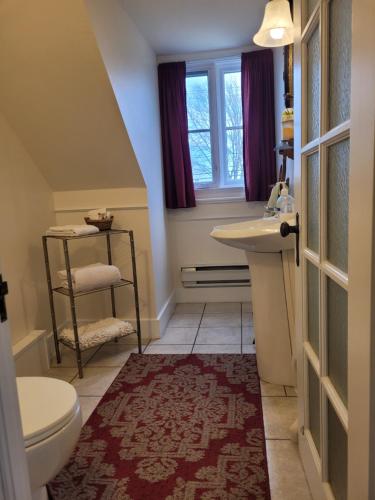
{"x":222,"y":307}
{"x":69,"y":359}
{"x":221,"y":320}
{"x":168,"y":349}
{"x":174,"y":335}
{"x":112,"y":355}
{"x":248,"y":349}
{"x":88,"y":405}
{"x":96,"y":380}
{"x":185,"y":320}
{"x":61,"y":373}
{"x":217,"y":349}
{"x":189,"y":308}
{"x":248,"y":335}
{"x":291,"y":391}
{"x":272,"y":389}
{"x":229,"y":335}
{"x":279,"y":414}
{"x":287,"y":479}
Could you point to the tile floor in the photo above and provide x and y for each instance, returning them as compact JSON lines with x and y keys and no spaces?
{"x":202,"y":328}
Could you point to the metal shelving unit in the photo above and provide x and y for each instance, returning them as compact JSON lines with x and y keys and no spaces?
{"x":69,"y":292}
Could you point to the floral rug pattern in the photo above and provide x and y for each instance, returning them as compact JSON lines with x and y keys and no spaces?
{"x":175,"y":427}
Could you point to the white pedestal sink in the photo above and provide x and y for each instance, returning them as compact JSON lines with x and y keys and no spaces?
{"x":271,"y":263}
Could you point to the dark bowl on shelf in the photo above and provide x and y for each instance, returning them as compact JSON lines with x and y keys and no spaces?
{"x":101,"y":224}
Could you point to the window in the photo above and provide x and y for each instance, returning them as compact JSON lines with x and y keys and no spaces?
{"x":215,"y":123}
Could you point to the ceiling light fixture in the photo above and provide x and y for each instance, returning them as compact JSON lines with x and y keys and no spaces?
{"x":277,"y":26}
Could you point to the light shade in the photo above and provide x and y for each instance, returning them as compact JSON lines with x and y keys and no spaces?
{"x":277,"y":28}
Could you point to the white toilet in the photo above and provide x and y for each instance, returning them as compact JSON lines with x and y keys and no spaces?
{"x":51,"y":423}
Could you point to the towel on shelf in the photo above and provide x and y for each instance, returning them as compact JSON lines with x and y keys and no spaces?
{"x":97,"y":333}
{"x":72,"y":230}
{"x":91,"y":277}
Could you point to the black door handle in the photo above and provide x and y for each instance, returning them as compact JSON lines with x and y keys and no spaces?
{"x":286,"y":229}
{"x":3,"y":292}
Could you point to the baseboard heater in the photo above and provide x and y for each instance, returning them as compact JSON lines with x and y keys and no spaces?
{"x":215,"y":276}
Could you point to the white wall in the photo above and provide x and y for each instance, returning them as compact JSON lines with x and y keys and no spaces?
{"x":191,"y":244}
{"x":130,"y":210}
{"x":190,"y":229}
{"x":131,"y":65}
{"x":55,"y":93}
{"x":26,"y":206}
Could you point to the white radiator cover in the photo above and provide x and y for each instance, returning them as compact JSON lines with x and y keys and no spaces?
{"x":209,"y":276}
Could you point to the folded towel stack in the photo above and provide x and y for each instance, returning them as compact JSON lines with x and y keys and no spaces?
{"x":91,"y":277}
{"x":71,"y":230}
{"x":97,"y":333}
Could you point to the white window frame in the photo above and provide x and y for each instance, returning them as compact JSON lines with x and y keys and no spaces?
{"x":216,"y":69}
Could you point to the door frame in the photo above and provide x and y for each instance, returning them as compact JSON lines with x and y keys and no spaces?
{"x":361,"y":322}
{"x":14,"y":474}
{"x":361,"y":265}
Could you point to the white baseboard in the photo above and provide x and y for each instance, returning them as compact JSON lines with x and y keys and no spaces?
{"x":31,"y":354}
{"x":221,"y":294}
{"x":166,"y":313}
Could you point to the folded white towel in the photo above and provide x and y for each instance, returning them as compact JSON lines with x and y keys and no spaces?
{"x":91,"y":277}
{"x":71,"y":230}
{"x":97,"y":333}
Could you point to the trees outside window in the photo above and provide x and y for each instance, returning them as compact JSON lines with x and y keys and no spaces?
{"x":215,"y":123}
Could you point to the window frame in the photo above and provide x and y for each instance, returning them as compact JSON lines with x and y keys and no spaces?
{"x":216,"y":70}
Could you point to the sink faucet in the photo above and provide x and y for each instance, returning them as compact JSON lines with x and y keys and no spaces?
{"x":270,"y":209}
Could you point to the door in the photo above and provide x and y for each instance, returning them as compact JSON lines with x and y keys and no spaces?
{"x":334,"y":176}
{"x":14,"y":477}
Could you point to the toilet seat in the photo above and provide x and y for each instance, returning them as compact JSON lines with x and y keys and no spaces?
{"x":46,"y":406}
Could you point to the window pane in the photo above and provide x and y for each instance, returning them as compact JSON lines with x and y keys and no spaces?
{"x":337,"y":456}
{"x":337,"y":204}
{"x":233,"y":102}
{"x":233,"y":168}
{"x":314,"y":407}
{"x":234,"y":171}
{"x":313,"y":86}
{"x":198,"y":108}
{"x":197,"y":99}
{"x":340,"y":45}
{"x":313,"y":306}
{"x":337,"y":333}
{"x":312,"y":186}
{"x":201,"y":157}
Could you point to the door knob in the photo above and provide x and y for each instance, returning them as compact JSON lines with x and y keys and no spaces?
{"x":286,"y":229}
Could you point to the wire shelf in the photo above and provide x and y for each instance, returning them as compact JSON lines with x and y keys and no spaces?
{"x":65,"y":291}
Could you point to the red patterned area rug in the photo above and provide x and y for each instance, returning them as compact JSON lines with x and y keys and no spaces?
{"x":176,"y":427}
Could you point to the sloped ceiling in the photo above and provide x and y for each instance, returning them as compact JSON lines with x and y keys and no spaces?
{"x":184,"y":26}
{"x":56,"y":95}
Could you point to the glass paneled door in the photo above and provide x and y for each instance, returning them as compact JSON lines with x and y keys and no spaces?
{"x":328,"y":175}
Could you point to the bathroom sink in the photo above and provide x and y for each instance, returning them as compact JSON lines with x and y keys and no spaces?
{"x":260,"y":235}
{"x":271,"y":264}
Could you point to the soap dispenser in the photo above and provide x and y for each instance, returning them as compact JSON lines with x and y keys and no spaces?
{"x":285,"y":202}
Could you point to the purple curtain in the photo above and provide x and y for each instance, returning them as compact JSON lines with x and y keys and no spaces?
{"x":258,"y":107}
{"x":178,"y":176}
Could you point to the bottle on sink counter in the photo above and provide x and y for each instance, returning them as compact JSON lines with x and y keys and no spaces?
{"x":285,"y":202}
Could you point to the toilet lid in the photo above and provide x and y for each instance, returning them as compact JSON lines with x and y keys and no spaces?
{"x":46,"y":405}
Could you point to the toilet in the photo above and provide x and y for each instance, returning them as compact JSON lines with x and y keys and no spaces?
{"x":51,"y":424}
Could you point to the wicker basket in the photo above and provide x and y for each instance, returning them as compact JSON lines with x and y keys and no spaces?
{"x":101,"y":224}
